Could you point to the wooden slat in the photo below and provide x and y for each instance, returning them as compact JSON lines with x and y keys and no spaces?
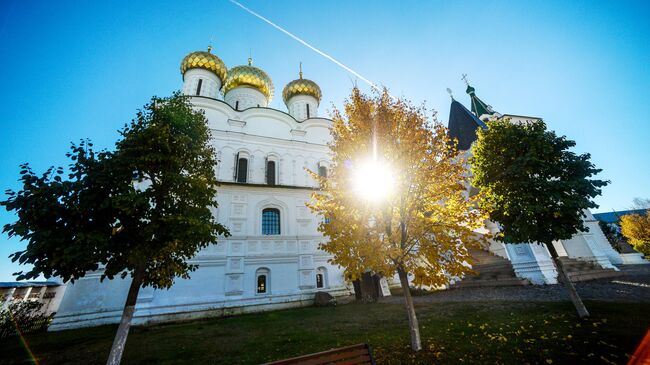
{"x":342,"y":355}
{"x":355,"y":354}
{"x":365,"y":359}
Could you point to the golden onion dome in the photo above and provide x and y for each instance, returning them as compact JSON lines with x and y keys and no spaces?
{"x":249,"y":76}
{"x":301,"y":87}
{"x":205,"y":60}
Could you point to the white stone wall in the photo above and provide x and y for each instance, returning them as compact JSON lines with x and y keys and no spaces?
{"x":297,"y":106}
{"x":242,"y":98}
{"x":210,"y":85}
{"x":592,"y":246}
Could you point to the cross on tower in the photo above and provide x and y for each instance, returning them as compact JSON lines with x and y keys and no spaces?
{"x":464,"y":78}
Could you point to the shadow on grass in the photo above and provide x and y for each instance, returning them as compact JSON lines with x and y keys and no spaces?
{"x":482,"y":332}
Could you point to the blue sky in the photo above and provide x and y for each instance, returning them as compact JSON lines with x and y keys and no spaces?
{"x":80,"y":69}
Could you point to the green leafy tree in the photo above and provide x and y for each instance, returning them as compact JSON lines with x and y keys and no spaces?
{"x":534,"y":186}
{"x":396,"y":198}
{"x":142,"y":210}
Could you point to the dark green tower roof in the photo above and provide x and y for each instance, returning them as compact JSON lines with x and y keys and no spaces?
{"x":478,"y":106}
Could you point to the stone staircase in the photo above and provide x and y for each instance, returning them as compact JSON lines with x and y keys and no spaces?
{"x":492,"y":270}
{"x":582,"y":271}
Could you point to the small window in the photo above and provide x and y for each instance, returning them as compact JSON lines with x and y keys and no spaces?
{"x":237,"y":105}
{"x":270,"y":172}
{"x":261,"y":284}
{"x":198,"y":87}
{"x":262,"y":281}
{"x":270,"y":221}
{"x":321,"y":277}
{"x":322,"y":171}
{"x":307,"y":111}
{"x":242,"y":170}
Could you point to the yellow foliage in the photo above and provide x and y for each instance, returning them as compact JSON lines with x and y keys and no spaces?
{"x":636,"y":228}
{"x":426,"y":223}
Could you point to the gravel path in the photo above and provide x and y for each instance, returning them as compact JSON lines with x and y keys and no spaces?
{"x":633,"y":286}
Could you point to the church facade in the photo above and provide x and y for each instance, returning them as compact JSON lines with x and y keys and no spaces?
{"x":272,"y":259}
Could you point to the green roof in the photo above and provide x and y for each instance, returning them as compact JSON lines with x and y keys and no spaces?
{"x":478,"y":106}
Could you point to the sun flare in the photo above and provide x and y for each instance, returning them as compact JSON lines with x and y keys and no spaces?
{"x":374,"y":181}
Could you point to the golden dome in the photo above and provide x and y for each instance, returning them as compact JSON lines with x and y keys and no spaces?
{"x":301,"y":87}
{"x":205,"y":60}
{"x":249,"y":76}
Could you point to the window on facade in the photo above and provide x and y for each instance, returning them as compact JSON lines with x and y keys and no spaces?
{"x":237,"y":105}
{"x":321,"y":277}
{"x":322,"y":171}
{"x":307,"y":111}
{"x":270,"y":172}
{"x":262,"y":281}
{"x":241,"y":169}
{"x":261,"y":284}
{"x":198,"y":87}
{"x":270,"y":221}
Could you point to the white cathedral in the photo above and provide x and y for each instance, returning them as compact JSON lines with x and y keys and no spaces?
{"x":273,"y":260}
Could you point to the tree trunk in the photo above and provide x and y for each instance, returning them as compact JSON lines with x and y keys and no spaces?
{"x":115,"y":357}
{"x":414,"y":328}
{"x":571,"y":289}
{"x":369,"y":292}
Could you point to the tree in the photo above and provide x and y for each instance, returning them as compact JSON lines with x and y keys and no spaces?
{"x":395,"y":198}
{"x":640,"y":204}
{"x":142,"y":210}
{"x":534,"y":187}
{"x":636,"y":229}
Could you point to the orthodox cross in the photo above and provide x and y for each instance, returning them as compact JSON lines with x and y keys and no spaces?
{"x":464,"y":78}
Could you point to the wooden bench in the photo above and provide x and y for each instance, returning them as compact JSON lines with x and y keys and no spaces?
{"x":350,"y":355}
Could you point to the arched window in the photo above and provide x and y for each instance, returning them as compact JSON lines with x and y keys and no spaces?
{"x":241,"y":169}
{"x":270,"y":172}
{"x":308,"y":111}
{"x":321,"y":277}
{"x":322,"y":171}
{"x":262,"y":281}
{"x":270,"y":221}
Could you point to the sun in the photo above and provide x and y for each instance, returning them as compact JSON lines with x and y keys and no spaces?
{"x":373,"y":181}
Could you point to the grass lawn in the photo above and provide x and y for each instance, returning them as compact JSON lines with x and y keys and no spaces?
{"x":452,"y":333}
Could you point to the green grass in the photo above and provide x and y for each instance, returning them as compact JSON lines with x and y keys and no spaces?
{"x":494,"y":332}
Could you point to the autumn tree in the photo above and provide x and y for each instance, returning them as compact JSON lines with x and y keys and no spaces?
{"x":395,"y":198}
{"x":141,"y":211}
{"x":636,"y":229}
{"x":534,"y":186}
